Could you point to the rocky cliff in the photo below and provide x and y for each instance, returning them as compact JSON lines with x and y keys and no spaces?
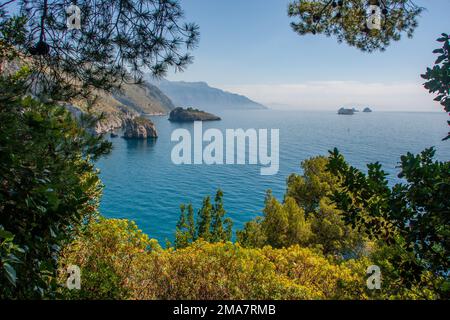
{"x":121,"y":108}
{"x":144,"y":99}
{"x":139,"y":128}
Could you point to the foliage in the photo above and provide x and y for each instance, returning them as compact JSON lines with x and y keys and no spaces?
{"x":306,"y":217}
{"x":311,"y":187}
{"x":9,"y":253}
{"x":115,"y":254}
{"x":48,"y":187}
{"x":439,"y":77}
{"x":211,"y":225}
{"x":107,"y":252}
{"x":284,"y":224}
{"x":412,"y":216}
{"x":116,"y":37}
{"x":346,"y":20}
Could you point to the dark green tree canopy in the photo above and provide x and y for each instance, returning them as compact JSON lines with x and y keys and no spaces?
{"x":210,"y":225}
{"x":117,"y":38}
{"x":347,"y":21}
{"x":413,"y":215}
{"x":439,"y":76}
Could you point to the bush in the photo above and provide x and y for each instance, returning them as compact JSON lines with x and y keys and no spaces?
{"x":118,"y":261}
{"x":48,"y":188}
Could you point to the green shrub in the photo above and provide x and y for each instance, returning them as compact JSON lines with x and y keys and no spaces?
{"x":48,"y":187}
{"x":118,"y":261}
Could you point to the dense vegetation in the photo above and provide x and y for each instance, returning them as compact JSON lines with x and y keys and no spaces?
{"x":438,"y":77}
{"x":48,"y":188}
{"x":347,"y":21}
{"x":306,"y":247}
{"x":316,"y":243}
{"x":118,"y":262}
{"x":211,"y":224}
{"x":117,"y":39}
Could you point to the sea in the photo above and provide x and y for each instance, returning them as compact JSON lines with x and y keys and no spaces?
{"x":142,"y":183}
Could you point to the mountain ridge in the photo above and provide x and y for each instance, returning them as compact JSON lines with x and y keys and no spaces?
{"x":200,"y":94}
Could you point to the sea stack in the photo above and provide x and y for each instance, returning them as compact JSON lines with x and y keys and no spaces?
{"x":139,"y":128}
{"x":347,"y":112}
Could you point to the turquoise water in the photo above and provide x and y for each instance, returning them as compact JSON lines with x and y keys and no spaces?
{"x":142,"y":184}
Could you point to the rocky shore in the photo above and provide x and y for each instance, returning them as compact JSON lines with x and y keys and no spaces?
{"x":134,"y":126}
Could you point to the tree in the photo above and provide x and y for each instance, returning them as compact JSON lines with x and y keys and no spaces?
{"x":414,"y":216}
{"x":118,"y":38}
{"x":204,"y":220}
{"x":306,"y":217}
{"x":299,"y":228}
{"x":439,"y":77}
{"x":221,"y":229}
{"x":252,"y":236}
{"x":48,"y":187}
{"x":282,"y":225}
{"x":275,"y":223}
{"x":210,"y":225}
{"x":315,"y":184}
{"x":185,"y":231}
{"x":333,"y":236}
{"x":118,"y":261}
{"x":347,"y":21}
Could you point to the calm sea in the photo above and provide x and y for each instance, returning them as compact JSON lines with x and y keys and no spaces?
{"x":142,"y":183}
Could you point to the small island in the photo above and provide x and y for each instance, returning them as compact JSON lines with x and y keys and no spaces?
{"x":139,"y":128}
{"x":367,"y":110}
{"x":347,"y":112}
{"x":191,"y":115}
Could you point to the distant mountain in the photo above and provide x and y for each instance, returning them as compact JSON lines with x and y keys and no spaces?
{"x":201,"y":95}
{"x":145,"y":98}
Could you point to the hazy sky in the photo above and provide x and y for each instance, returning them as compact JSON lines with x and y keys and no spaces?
{"x":248,"y":47}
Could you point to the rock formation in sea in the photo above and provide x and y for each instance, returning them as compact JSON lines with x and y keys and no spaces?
{"x":344,"y":111}
{"x":114,"y":120}
{"x":191,"y":115}
{"x":367,"y":110}
{"x":139,"y":128}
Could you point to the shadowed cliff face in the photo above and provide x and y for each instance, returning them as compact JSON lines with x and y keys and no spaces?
{"x":139,"y":128}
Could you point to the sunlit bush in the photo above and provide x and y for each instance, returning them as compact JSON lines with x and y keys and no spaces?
{"x":118,"y":261}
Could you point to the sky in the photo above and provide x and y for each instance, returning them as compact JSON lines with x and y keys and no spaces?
{"x":248,"y":47}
